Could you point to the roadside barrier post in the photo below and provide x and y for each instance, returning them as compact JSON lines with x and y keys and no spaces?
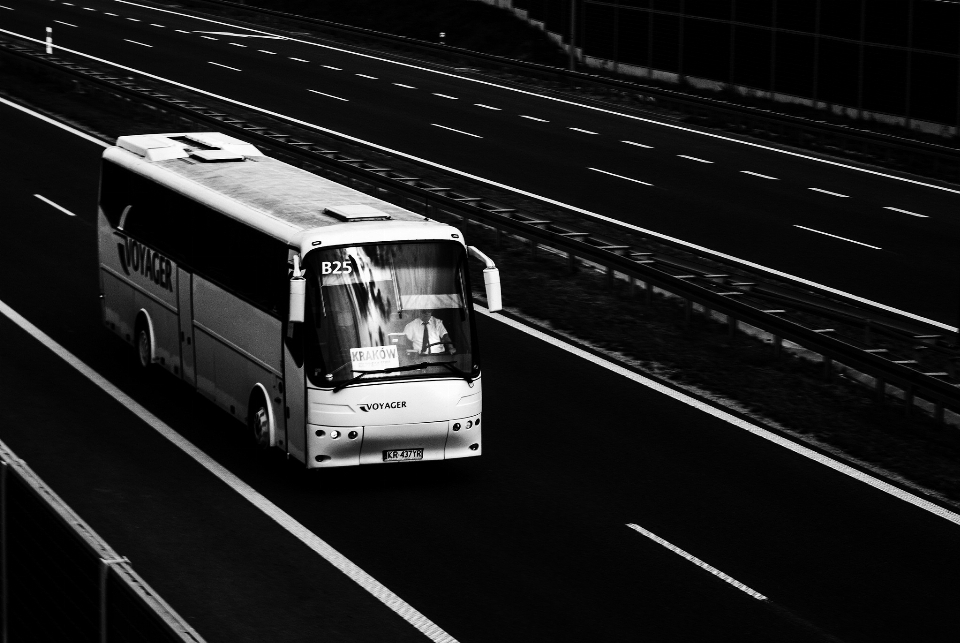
{"x":49,"y":40}
{"x":105,"y":564}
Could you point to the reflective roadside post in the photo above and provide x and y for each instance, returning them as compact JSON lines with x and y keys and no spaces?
{"x":49,"y":40}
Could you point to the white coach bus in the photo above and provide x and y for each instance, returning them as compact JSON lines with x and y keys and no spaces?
{"x":339,"y":327}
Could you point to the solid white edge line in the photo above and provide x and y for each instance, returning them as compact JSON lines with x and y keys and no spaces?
{"x":573,"y":208}
{"x":912,"y":214}
{"x":138,"y":43}
{"x":829,"y":192}
{"x":762,"y":176}
{"x":328,"y":95}
{"x":827,"y":234}
{"x":47,"y":119}
{"x":456,"y":130}
{"x":720,"y":414}
{"x":699,"y":563}
{"x":301,"y":533}
{"x":625,"y":178}
{"x":59,"y":207}
{"x":224,"y":66}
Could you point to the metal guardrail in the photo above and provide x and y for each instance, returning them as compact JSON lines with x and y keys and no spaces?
{"x":59,"y":581}
{"x":891,"y":350}
{"x":926,"y":158}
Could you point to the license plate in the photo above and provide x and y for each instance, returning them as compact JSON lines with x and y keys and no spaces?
{"x":402,"y":455}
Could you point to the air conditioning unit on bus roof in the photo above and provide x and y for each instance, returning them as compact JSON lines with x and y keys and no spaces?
{"x":206,"y":146}
{"x":356,"y":213}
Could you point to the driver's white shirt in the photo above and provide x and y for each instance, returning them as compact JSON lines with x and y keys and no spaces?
{"x":435,"y":331}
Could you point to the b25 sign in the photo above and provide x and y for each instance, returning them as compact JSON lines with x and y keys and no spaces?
{"x":336,"y":267}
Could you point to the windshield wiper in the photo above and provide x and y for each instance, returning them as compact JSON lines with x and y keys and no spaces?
{"x":397,"y":369}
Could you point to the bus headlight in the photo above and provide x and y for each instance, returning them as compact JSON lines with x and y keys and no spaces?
{"x":334,"y":434}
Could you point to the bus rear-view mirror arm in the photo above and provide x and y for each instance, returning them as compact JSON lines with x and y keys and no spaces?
{"x":298,"y":292}
{"x":491,"y":280}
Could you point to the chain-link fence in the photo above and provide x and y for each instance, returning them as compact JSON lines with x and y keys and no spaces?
{"x":895,"y":61}
{"x":59,"y":581}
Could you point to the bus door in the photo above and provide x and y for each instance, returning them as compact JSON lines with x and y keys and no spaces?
{"x":294,"y":393}
{"x":185,"y":307}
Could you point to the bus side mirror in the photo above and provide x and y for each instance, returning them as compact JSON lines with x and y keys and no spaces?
{"x":491,"y":280}
{"x":298,"y":293}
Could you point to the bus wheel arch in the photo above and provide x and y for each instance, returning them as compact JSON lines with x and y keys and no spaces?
{"x":260,"y":418}
{"x":144,"y":339}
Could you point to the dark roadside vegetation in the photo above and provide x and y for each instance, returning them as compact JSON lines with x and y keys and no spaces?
{"x":788,"y":393}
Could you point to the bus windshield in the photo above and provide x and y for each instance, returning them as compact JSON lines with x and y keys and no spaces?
{"x":387,"y":311}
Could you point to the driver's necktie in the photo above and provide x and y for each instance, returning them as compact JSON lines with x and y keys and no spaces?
{"x":424,"y":346}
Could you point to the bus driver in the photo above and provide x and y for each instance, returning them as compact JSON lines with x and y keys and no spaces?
{"x":427,"y":334}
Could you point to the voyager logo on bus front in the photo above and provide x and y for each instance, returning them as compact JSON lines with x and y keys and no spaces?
{"x":136,"y":257}
{"x":377,"y":406}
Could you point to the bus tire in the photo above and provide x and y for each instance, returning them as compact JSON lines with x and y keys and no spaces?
{"x":143,"y":342}
{"x":258,"y":419}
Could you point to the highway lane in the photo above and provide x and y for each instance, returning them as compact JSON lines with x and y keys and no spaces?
{"x":529,"y":542}
{"x":853,"y":231}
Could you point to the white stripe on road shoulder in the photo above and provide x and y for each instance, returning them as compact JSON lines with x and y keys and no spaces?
{"x":829,"y":192}
{"x":59,"y":207}
{"x":285,"y":520}
{"x":456,"y":130}
{"x":699,"y":563}
{"x":328,"y":95}
{"x":720,"y":414}
{"x":859,"y":243}
{"x":912,"y":214}
{"x":625,"y":178}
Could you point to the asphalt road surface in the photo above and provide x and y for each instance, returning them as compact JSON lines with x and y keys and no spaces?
{"x":529,"y":542}
{"x":874,"y":235}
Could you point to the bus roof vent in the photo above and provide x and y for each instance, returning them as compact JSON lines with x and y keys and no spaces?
{"x":357,"y":213}
{"x":153,"y":148}
{"x":215,"y":155}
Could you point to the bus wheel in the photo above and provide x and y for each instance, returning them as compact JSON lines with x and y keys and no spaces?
{"x":142,"y":344}
{"x":259,"y":420}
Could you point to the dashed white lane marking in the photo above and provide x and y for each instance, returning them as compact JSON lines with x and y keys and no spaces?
{"x":455,"y":130}
{"x":138,"y":43}
{"x":209,"y":37}
{"x":762,"y":176}
{"x":516,"y":190}
{"x":181,"y":31}
{"x":400,"y":607}
{"x":625,"y":178}
{"x":299,"y":60}
{"x":236,"y":44}
{"x":912,"y":214}
{"x":61,"y":22}
{"x":829,"y":192}
{"x":720,"y":414}
{"x":332,"y":67}
{"x":5,"y":7}
{"x":404,"y":86}
{"x":264,"y":51}
{"x":132,"y":19}
{"x":496,"y":109}
{"x":693,"y":158}
{"x":584,"y":131}
{"x":445,"y":96}
{"x":59,"y":207}
{"x":69,"y":4}
{"x":859,"y":243}
{"x":106,"y":13}
{"x":649,"y":147}
{"x":699,"y":563}
{"x":328,"y":95}
{"x":153,"y":24}
{"x":534,"y":118}
{"x":224,"y":66}
{"x":88,"y":9}
{"x":363,"y":75}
